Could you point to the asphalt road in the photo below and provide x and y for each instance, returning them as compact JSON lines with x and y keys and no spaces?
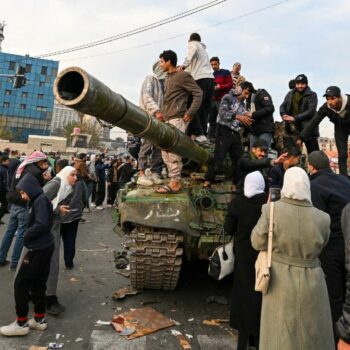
{"x":86,"y":293}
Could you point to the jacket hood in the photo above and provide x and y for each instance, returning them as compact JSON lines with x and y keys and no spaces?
{"x":30,"y":185}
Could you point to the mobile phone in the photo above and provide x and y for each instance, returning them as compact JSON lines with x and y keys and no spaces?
{"x":274,"y":194}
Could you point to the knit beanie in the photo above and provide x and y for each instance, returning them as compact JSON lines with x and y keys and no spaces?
{"x":319,"y":160}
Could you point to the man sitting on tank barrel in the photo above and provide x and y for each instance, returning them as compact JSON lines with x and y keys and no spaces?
{"x":179,"y":86}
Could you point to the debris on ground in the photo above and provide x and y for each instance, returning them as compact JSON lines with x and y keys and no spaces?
{"x":121,"y":293}
{"x":217,"y":299}
{"x":121,"y":260}
{"x":127,"y":244}
{"x":189,"y":336}
{"x":34,"y":347}
{"x":145,"y":321}
{"x":73,"y":279}
{"x":78,"y":340}
{"x":190,"y":320}
{"x":183,"y":341}
{"x":215,"y":322}
{"x":102,"y":323}
{"x":125,"y":272}
{"x":55,"y":346}
{"x":103,"y":245}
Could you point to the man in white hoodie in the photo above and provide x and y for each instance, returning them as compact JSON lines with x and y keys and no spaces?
{"x":197,"y":63}
{"x":337,"y":109}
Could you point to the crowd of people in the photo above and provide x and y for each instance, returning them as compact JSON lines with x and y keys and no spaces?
{"x":45,"y":196}
{"x":307,"y":305}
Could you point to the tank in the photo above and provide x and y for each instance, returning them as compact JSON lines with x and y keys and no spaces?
{"x":163,"y":227}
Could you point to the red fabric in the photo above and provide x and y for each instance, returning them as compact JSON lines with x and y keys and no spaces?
{"x":224,"y":79}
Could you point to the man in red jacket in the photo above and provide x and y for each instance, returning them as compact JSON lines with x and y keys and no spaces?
{"x":223,"y":84}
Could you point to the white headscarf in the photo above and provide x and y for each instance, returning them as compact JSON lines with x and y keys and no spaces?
{"x":65,"y":189}
{"x":296,"y":184}
{"x":254,"y":184}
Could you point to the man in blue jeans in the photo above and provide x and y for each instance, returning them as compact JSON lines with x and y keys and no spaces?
{"x":35,"y":164}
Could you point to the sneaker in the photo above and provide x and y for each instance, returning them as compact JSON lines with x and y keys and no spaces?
{"x":201,"y":139}
{"x":144,"y":181}
{"x":156,"y":179}
{"x":55,"y":308}
{"x":92,"y":205}
{"x":100,"y":207}
{"x":87,"y":210}
{"x":39,"y":326}
{"x":109,"y":205}
{"x":14,"y":329}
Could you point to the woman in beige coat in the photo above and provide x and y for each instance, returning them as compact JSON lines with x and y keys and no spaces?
{"x":295,"y":312}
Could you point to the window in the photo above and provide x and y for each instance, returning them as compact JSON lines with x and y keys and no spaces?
{"x":12,"y":65}
{"x":9,"y":80}
{"x":24,"y":94}
{"x":22,"y":106}
{"x":7,"y":92}
{"x":41,"y":83}
{"x":28,"y":68}
{"x":44,"y":70}
{"x":6,"y":104}
{"x":40,"y":96}
{"x":41,"y":108}
{"x":54,"y":72}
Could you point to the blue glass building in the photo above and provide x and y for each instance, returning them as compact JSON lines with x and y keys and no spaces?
{"x":27,"y":110}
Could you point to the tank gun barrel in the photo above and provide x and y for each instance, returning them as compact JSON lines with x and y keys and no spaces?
{"x":77,"y":89}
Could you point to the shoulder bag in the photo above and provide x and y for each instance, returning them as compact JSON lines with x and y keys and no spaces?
{"x":222,"y":260}
{"x":263,"y":262}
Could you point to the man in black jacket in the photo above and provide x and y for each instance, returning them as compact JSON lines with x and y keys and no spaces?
{"x":30,"y":282}
{"x":36,"y":165}
{"x":260,"y":109}
{"x":254,"y":160}
{"x":331,"y":193}
{"x":299,"y":107}
{"x":337,"y":109}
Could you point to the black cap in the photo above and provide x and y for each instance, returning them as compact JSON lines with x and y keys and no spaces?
{"x":301,"y":78}
{"x":260,"y":143}
{"x":332,"y":91}
{"x":319,"y":160}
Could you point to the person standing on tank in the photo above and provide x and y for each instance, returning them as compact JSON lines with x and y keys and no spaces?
{"x":198,"y":65}
{"x":179,"y":86}
{"x":151,"y":101}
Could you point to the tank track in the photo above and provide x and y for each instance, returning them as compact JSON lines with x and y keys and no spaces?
{"x":156,"y":258}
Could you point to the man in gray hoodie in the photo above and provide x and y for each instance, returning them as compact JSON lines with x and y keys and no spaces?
{"x":198,"y":65}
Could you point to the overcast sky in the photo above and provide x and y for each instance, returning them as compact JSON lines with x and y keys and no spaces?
{"x":298,"y":36}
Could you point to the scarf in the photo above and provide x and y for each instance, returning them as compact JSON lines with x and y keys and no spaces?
{"x":254,"y":184}
{"x":33,"y":158}
{"x":296,"y":185}
{"x":65,"y":189}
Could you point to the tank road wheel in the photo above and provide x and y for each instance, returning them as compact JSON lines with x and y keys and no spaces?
{"x":156,"y":258}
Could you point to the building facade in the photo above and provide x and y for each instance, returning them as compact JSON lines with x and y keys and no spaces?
{"x":62,"y":116}
{"x":27,"y":110}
